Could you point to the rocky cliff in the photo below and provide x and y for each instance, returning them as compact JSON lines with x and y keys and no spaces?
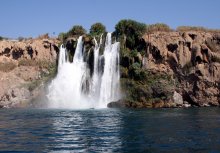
{"x":162,"y":69}
{"x":25,"y":66}
{"x":172,"y":69}
{"x":194,"y":59}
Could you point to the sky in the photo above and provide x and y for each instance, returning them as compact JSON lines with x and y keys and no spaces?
{"x":31,"y":18}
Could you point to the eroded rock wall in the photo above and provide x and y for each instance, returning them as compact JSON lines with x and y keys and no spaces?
{"x":192,"y":59}
{"x":24,"y":69}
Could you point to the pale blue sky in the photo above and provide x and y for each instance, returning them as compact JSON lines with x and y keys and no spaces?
{"x":30,"y":18}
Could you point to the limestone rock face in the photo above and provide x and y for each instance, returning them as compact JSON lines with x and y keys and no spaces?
{"x":177,"y":98}
{"x":34,"y":49}
{"x":24,"y":66}
{"x":192,"y":59}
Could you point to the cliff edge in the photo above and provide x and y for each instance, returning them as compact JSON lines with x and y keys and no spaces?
{"x":25,"y":66}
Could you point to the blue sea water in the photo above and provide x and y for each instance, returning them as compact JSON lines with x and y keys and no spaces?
{"x":110,"y":130}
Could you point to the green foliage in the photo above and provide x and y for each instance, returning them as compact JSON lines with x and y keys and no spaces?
{"x":62,"y":36}
{"x":136,"y":72}
{"x":151,"y":88}
{"x":97,"y":29}
{"x":133,"y":53}
{"x":130,"y":32}
{"x":76,"y":30}
{"x":130,"y":27}
{"x":135,"y":66}
{"x":124,"y":52}
{"x":158,"y":27}
{"x":3,"y":38}
{"x":135,"y":90}
{"x":48,"y":71}
{"x":124,"y":72}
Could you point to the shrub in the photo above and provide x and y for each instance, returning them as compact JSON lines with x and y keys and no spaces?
{"x":130,"y":30}
{"x":1,"y":38}
{"x":149,"y":86}
{"x":133,"y":53}
{"x":194,"y":28}
{"x":40,"y":63}
{"x":190,"y":28}
{"x":124,"y":72}
{"x":158,"y":27}
{"x":62,"y":36}
{"x":215,"y":58}
{"x":21,"y":38}
{"x":76,"y":30}
{"x":97,"y":29}
{"x":7,"y":67}
{"x":27,"y":62}
{"x":46,"y":75}
{"x":136,"y":72}
{"x":44,"y":36}
{"x":130,"y":27}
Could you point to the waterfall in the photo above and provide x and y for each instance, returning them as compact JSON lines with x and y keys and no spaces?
{"x":110,"y":78}
{"x":95,"y":88}
{"x":62,"y":58}
{"x":75,"y":87}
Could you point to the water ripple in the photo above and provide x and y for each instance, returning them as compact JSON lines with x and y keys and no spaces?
{"x":110,"y":130}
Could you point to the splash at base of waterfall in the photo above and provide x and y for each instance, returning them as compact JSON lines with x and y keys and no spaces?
{"x":75,"y":87}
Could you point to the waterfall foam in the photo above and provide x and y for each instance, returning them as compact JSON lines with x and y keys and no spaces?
{"x":75,"y":87}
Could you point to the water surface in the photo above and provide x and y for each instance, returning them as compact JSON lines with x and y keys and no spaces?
{"x":110,"y":130}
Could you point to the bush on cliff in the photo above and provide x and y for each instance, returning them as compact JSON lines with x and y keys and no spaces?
{"x":97,"y":29}
{"x":196,"y":28}
{"x":76,"y":30}
{"x":7,"y":67}
{"x":158,"y":27}
{"x":129,"y":32}
{"x":149,"y":88}
{"x":1,"y":38}
{"x":215,"y":59}
{"x":44,"y":36}
{"x":62,"y":36}
{"x":21,"y":38}
{"x":136,"y":72}
{"x":190,"y":28}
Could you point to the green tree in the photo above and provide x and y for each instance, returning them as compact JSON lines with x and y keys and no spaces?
{"x":97,"y":29}
{"x":130,"y":31}
{"x":76,"y":30}
{"x":62,"y":36}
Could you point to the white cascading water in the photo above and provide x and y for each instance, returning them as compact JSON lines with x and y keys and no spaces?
{"x":110,"y":79}
{"x":73,"y":86}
